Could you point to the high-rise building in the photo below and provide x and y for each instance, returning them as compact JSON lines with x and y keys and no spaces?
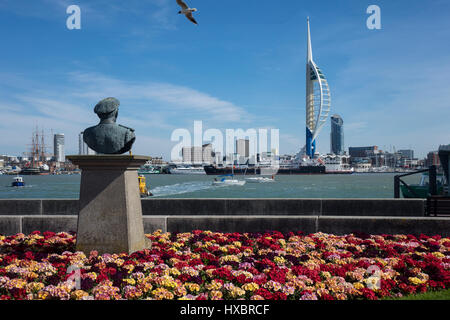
{"x":243,"y":147}
{"x":186,"y":153}
{"x":58,"y":147}
{"x":337,"y":135}
{"x":407,"y":154}
{"x":208,"y":154}
{"x":198,"y":155}
{"x":83,"y":148}
{"x":318,"y":100}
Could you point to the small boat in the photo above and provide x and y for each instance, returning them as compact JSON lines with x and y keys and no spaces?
{"x":260,"y":179}
{"x":18,"y":182}
{"x":144,"y":192}
{"x":227,"y":180}
{"x":421,"y":190}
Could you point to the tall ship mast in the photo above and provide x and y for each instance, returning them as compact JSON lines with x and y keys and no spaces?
{"x":37,"y":153}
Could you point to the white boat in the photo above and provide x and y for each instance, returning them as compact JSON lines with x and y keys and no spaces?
{"x":336,"y":164}
{"x":227,"y":180}
{"x":187,"y":170}
{"x":260,"y":179}
{"x":18,"y":182}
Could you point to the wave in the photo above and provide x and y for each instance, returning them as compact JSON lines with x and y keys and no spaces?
{"x":180,"y":188}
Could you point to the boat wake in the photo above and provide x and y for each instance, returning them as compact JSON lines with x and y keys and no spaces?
{"x":180,"y":188}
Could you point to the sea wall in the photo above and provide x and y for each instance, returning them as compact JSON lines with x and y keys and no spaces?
{"x":338,"y":216}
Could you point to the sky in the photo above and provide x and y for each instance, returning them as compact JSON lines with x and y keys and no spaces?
{"x":242,"y":66}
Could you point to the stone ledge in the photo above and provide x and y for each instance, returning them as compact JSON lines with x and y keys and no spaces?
{"x":308,"y":224}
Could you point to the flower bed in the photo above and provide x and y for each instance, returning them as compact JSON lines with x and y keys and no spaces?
{"x":211,"y":265}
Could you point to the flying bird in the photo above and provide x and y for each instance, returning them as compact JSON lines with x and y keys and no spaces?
{"x":186,"y":10}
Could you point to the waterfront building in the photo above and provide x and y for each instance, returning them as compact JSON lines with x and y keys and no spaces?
{"x":198,"y":155}
{"x":337,"y":135}
{"x":362,"y":152}
{"x":433,"y":159}
{"x":83,"y":148}
{"x":58,"y":147}
{"x":318,"y":100}
{"x":208,"y":154}
{"x":243,"y":147}
{"x":407,"y":154}
{"x":186,"y":154}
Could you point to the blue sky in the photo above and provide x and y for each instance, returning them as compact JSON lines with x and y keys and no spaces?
{"x":243,"y":66}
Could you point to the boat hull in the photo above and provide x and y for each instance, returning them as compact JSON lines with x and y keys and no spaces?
{"x":18,"y":184}
{"x":212,"y":170}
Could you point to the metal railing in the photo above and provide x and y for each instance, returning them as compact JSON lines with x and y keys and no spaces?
{"x":432,"y":189}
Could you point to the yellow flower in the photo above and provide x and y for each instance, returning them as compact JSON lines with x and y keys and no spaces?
{"x":130,"y":281}
{"x":438,"y":255}
{"x":416,"y":281}
{"x":279,"y":260}
{"x":79,"y":294}
{"x":237,"y":244}
{"x":192,"y":287}
{"x":161,"y":293}
{"x":251,"y":286}
{"x":34,"y":287}
{"x":175,"y":272}
{"x":42,"y":295}
{"x":215,"y":295}
{"x":214,"y":285}
{"x":358,"y":285}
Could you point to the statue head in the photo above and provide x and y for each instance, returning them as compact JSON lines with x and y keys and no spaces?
{"x":108,"y":137}
{"x":107,"y":108}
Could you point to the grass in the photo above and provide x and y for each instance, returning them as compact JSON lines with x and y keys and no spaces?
{"x":434,"y":295}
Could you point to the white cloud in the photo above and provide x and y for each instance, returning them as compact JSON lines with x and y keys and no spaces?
{"x":153,"y":109}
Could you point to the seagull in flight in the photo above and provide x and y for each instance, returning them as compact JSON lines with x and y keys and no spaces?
{"x":186,"y":10}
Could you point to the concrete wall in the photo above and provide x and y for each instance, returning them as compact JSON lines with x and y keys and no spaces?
{"x":231,"y":207}
{"x":309,"y":224}
{"x":338,"y":216}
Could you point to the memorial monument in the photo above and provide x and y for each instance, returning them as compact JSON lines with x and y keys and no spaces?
{"x":110,"y":214}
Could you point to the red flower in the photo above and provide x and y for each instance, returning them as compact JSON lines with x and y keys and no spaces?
{"x":264,"y":293}
{"x":101,"y":277}
{"x":279,"y":296}
{"x":369,"y":294}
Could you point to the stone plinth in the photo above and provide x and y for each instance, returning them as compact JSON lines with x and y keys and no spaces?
{"x":110,"y":212}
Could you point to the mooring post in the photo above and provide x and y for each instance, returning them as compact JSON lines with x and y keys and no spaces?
{"x":433,"y":182}
{"x":396,"y":187}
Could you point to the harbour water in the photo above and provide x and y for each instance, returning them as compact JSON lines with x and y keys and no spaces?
{"x":379,"y":185}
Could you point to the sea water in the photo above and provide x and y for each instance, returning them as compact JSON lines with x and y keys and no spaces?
{"x":370,"y":185}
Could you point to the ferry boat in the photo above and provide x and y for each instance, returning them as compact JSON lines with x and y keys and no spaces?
{"x":336,"y":164}
{"x":18,"y":182}
{"x":303,"y":169}
{"x":187,"y":170}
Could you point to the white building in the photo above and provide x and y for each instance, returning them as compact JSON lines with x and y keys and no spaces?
{"x":243,"y":147}
{"x":58,"y":147}
{"x":198,"y":155}
{"x":83,"y":148}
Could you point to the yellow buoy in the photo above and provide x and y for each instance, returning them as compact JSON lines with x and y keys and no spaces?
{"x":143,"y":187}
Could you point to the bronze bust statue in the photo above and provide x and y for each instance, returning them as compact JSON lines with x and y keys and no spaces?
{"x":108,"y":137}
